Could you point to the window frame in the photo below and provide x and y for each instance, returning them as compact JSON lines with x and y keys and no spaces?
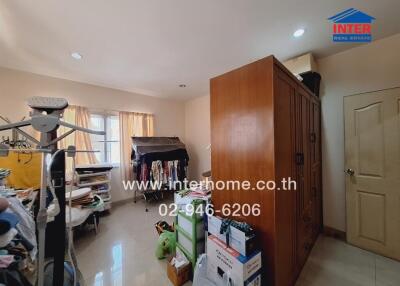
{"x":105,"y":116}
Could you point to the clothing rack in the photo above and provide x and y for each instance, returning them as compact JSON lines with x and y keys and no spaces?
{"x":46,"y":117}
{"x":15,"y":141}
{"x":150,"y":154}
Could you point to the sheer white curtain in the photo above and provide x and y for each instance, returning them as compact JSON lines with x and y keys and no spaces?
{"x":132,"y":124}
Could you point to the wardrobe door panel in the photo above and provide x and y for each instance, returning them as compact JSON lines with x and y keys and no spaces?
{"x":285,"y":200}
{"x":304,"y":193}
{"x":315,"y":133}
{"x":316,"y":171}
{"x":317,"y":211}
{"x":307,"y":195}
{"x":242,"y":139}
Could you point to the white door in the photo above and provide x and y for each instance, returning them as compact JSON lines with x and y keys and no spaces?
{"x":372,"y":156}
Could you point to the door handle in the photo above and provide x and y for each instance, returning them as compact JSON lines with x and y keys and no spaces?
{"x":350,"y":172}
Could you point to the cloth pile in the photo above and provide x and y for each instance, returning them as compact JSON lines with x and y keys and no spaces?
{"x":201,"y":191}
{"x":87,"y":201}
{"x":18,"y":246}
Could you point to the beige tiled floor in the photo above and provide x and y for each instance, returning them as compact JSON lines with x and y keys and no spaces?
{"x":122,"y":253}
{"x":333,"y":262}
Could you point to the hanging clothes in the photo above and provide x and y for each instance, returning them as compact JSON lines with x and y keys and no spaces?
{"x":157,"y":172}
{"x":159,"y":159}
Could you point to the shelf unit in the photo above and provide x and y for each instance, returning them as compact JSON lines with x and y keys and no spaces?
{"x":190,"y":234}
{"x":100,"y":183}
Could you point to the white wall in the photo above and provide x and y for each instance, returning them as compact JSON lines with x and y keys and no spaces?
{"x":366,"y":68}
{"x":197,"y":133}
{"x":17,"y":86}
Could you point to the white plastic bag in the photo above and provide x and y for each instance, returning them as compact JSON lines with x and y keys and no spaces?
{"x":200,"y":274}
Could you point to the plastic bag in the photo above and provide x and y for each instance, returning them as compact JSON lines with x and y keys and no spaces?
{"x":200,"y":272}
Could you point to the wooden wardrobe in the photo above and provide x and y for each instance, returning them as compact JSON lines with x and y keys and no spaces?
{"x":265,"y":125}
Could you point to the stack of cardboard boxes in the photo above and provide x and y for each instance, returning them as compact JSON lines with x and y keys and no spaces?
{"x":238,"y":264}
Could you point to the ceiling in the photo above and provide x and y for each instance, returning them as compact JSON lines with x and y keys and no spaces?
{"x":153,"y":46}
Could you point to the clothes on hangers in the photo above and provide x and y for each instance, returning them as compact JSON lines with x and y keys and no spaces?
{"x":157,"y":172}
{"x":165,"y":172}
{"x":172,"y":167}
{"x":162,"y":160}
{"x":145,"y":145}
{"x":179,"y":154}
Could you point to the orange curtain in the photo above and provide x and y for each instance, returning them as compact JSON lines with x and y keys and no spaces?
{"x":79,"y":116}
{"x":132,"y":124}
{"x":82,"y":139}
{"x":34,"y":133}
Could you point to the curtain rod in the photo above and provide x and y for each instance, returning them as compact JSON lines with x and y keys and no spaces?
{"x":114,"y":110}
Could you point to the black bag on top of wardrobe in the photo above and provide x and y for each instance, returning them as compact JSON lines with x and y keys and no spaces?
{"x":312,"y":80}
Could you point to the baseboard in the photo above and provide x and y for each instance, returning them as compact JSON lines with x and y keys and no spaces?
{"x":335,"y":233}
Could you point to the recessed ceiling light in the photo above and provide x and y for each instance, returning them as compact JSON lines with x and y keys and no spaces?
{"x":182,"y":85}
{"x":298,"y":33}
{"x":76,"y":56}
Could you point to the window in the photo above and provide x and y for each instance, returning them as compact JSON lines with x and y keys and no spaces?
{"x":107,"y":145}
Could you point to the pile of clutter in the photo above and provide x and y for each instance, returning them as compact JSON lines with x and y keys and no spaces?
{"x":18,"y":246}
{"x":83,"y":198}
{"x":179,"y":269}
{"x":178,"y":266}
{"x":232,"y":256}
{"x":201,"y":191}
{"x":166,"y":244}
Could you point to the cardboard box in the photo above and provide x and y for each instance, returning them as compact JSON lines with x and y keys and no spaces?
{"x":226,"y":263}
{"x":245,"y":245}
{"x":178,"y":278}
